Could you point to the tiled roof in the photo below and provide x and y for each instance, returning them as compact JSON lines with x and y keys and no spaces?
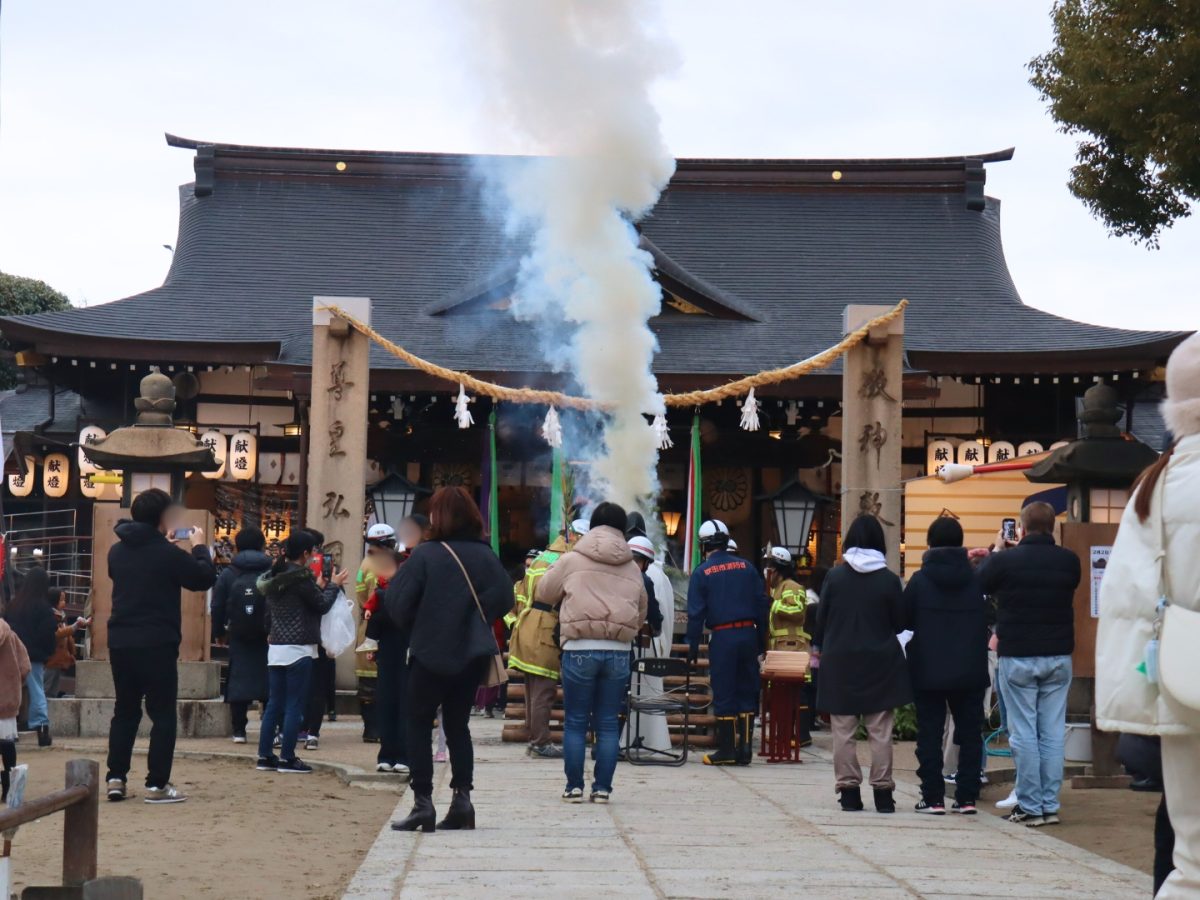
{"x":789,"y":255}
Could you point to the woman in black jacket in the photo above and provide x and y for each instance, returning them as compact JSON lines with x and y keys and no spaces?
{"x":862,"y":663}
{"x":945,"y":609}
{"x":33,"y":621}
{"x":239,"y":619}
{"x":296,"y":600}
{"x":451,"y":644}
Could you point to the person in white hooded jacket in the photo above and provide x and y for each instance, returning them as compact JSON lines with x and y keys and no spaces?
{"x":1160,"y":524}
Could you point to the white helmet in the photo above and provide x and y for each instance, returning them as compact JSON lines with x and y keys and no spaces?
{"x":381,"y":533}
{"x":780,"y":555}
{"x":581,"y":526}
{"x":713,"y":534}
{"x":731,"y":546}
{"x":642,"y":546}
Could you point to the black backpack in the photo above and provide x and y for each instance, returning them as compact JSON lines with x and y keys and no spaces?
{"x":246,"y":608}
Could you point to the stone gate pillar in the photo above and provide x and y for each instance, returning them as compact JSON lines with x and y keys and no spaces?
{"x":872,"y":424}
{"x":337,"y":439}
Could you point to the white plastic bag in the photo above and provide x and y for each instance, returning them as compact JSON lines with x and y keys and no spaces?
{"x":337,"y":626}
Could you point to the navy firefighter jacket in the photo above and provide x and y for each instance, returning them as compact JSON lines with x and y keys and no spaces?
{"x":723,"y":589}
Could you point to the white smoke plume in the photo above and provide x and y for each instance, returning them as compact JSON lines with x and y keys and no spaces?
{"x":569,"y":82}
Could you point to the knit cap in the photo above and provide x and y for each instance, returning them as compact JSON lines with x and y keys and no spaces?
{"x":1181,"y":409}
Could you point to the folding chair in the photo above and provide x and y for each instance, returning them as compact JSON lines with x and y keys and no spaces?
{"x":672,"y":701}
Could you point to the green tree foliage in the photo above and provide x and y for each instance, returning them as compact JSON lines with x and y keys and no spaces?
{"x":1125,"y":76}
{"x":20,"y":297}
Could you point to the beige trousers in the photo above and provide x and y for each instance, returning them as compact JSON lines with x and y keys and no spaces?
{"x":846,"y":769}
{"x":1181,"y":778}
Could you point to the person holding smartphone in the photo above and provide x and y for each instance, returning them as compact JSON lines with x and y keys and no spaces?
{"x":154,"y":560}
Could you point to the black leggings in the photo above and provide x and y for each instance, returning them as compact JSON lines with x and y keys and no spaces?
{"x":455,"y":694}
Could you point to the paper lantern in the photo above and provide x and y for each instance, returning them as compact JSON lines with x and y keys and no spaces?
{"x":971,"y":453}
{"x":88,"y":488}
{"x":56,"y":474}
{"x":215,"y":441}
{"x":1001,"y":451}
{"x":22,"y":485}
{"x":1029,"y":448}
{"x":90,"y":434}
{"x":1058,"y":444}
{"x":938,"y":453}
{"x":243,"y":456}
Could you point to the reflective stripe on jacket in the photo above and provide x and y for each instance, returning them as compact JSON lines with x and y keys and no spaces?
{"x":531,"y":646}
{"x":787,"y":617}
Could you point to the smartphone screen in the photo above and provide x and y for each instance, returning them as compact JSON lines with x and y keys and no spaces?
{"x":1008,"y":530}
{"x":181,"y":534}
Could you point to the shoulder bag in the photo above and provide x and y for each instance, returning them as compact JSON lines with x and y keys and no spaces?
{"x":1177,"y":631}
{"x":496,"y":673}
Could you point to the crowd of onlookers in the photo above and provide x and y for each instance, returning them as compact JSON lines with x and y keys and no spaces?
{"x":37,"y":644}
{"x":436,"y":609}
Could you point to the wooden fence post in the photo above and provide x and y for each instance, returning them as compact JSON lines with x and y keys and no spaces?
{"x":81,"y":824}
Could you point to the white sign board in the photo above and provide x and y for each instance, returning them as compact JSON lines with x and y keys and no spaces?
{"x":1098,"y":559}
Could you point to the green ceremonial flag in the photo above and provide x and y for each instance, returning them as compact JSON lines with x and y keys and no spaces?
{"x":556,"y":494}
{"x":493,"y":486}
{"x":695,"y":498}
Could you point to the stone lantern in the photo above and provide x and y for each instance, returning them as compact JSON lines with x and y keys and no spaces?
{"x":153,"y":445}
{"x":1099,"y":467}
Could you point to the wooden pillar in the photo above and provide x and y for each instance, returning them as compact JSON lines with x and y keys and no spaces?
{"x":337,"y":439}
{"x":872,"y":423}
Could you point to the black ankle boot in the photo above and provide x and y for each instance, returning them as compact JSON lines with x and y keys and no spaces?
{"x":43,"y":734}
{"x":851,"y":799}
{"x":884,"y":801}
{"x":422,"y":816}
{"x":461,"y":814}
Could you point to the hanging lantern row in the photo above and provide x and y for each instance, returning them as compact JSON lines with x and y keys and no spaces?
{"x":236,"y":453}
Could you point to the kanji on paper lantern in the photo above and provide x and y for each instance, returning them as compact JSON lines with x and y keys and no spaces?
{"x":243,"y":455}
{"x":89,"y":434}
{"x":22,"y":485}
{"x":215,"y":441}
{"x":56,"y":474}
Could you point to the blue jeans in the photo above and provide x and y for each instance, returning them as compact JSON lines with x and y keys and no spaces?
{"x":594,"y":685}
{"x":287,"y":698}
{"x":1035,"y":698}
{"x":36,"y":685}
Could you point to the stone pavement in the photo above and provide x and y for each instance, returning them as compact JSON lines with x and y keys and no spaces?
{"x":762,"y":831}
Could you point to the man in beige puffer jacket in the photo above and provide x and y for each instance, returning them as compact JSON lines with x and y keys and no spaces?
{"x":602,"y":603}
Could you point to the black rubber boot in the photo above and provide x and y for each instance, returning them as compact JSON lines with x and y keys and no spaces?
{"x":725,"y":755}
{"x":745,"y":750}
{"x":851,"y":799}
{"x":43,"y":733}
{"x":884,"y":801}
{"x":423,"y":815}
{"x":461,"y":814}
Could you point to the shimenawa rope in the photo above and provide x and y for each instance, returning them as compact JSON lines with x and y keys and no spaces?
{"x":734,"y":388}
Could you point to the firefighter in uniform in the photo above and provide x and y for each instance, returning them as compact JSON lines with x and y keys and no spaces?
{"x":533,"y":649}
{"x":728,"y":596}
{"x":520,"y":600}
{"x":788,"y":603}
{"x":381,"y":542}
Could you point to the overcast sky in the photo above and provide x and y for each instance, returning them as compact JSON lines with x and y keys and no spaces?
{"x":88,"y":187}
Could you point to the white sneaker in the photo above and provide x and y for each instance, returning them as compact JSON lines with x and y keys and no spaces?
{"x":383,"y":767}
{"x":239,"y":739}
{"x":116,"y":789}
{"x":1008,"y":802}
{"x":400,"y":769}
